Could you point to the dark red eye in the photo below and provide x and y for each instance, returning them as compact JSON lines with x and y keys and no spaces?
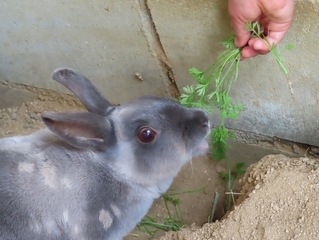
{"x":146,"y":134}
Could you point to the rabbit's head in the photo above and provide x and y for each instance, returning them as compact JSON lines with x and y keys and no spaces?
{"x":157,"y":137}
{"x":147,"y":141}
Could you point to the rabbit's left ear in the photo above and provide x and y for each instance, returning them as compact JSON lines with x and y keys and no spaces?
{"x":81,"y":87}
{"x":81,"y":130}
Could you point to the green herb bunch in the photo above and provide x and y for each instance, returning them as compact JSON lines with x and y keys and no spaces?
{"x":174,"y":220}
{"x":212,"y":92}
{"x":213,"y":85}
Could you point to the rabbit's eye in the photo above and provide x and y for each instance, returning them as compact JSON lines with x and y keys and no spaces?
{"x":146,"y":134}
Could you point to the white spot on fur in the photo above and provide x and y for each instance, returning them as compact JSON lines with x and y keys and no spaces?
{"x":49,"y":176}
{"x":76,"y":229}
{"x":66,"y":183}
{"x":35,"y":227}
{"x":25,"y":167}
{"x":105,"y":218}
{"x":51,"y":227}
{"x":116,"y":210}
{"x":66,"y":217}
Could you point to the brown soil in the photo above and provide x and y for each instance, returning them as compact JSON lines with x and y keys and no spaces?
{"x":278,"y":201}
{"x":21,"y":108}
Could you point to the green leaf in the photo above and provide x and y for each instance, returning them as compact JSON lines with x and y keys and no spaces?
{"x":188,"y":89}
{"x":240,"y":168}
{"x":196,"y":74}
{"x":226,"y":176}
{"x":290,"y":46}
{"x":229,"y":43}
{"x":201,"y":90}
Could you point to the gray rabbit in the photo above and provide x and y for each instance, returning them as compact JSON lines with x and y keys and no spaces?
{"x":94,"y":175}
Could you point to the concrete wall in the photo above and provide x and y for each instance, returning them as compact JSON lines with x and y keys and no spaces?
{"x":114,"y":42}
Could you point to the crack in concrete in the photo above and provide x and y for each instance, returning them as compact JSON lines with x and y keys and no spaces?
{"x":156,"y":47}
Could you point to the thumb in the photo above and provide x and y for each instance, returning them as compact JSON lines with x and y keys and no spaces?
{"x":274,"y":37}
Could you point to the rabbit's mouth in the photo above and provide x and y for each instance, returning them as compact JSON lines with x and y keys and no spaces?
{"x":201,"y":149}
{"x":204,"y":146}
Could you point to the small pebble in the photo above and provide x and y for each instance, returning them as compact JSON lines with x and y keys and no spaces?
{"x":14,"y":116}
{"x":33,"y":115}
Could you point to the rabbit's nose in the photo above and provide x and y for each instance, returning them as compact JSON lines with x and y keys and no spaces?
{"x":206,"y":124}
{"x":202,"y":118}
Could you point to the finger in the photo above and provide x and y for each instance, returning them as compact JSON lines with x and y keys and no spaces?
{"x":240,"y":13}
{"x":242,"y":35}
{"x":259,"y":45}
{"x":241,"y":39}
{"x":248,"y":52}
{"x":274,"y":37}
{"x":263,"y":46}
{"x":278,"y":18}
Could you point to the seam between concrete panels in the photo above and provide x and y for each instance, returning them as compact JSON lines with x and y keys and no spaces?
{"x":156,"y":47}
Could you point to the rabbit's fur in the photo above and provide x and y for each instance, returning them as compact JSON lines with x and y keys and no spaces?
{"x":88,"y":175}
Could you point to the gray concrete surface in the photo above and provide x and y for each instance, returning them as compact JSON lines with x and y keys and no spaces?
{"x":140,"y":47}
{"x":103,"y":40}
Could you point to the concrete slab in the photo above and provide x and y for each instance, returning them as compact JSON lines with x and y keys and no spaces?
{"x":102,"y":40}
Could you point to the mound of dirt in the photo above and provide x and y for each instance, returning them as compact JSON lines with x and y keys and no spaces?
{"x":278,"y":201}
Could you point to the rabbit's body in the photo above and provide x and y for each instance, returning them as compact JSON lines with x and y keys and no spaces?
{"x":72,"y":199}
{"x":94,"y":175}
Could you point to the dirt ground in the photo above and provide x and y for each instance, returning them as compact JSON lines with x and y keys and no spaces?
{"x":21,"y":108}
{"x":277,"y":200}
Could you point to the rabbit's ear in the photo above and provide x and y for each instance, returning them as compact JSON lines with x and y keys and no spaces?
{"x":82,"y":130}
{"x":91,"y":98}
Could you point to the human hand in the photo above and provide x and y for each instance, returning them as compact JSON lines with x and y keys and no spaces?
{"x":274,"y":16}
